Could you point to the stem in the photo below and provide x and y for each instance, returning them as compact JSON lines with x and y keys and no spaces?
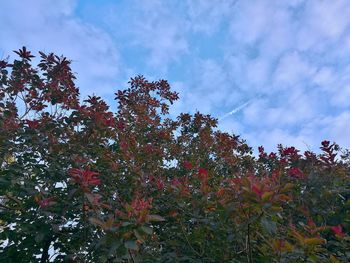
{"x":27,"y":108}
{"x":249,"y":252}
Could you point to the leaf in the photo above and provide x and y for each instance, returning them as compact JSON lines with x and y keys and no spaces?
{"x":287,"y":247}
{"x":333,"y":259}
{"x":97,"y":222}
{"x":9,"y":159}
{"x":147,"y":230}
{"x":139,"y":236}
{"x":314,"y":241}
{"x":276,"y":209}
{"x":155,"y":218}
{"x":39,"y":237}
{"x":266,"y":196}
{"x":131,"y":245}
{"x":128,"y":208}
{"x":287,"y":187}
{"x":4,"y":182}
{"x":90,"y":198}
{"x":113,"y":248}
{"x":72,"y":193}
{"x":126,"y":223}
{"x":269,"y":225}
{"x":283,"y":197}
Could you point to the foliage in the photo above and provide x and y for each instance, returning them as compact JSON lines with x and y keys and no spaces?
{"x":79,"y":183}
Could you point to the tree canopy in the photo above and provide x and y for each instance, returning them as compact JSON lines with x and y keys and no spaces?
{"x":79,"y":183}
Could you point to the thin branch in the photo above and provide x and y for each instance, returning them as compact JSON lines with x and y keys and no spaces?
{"x":132,"y":258}
{"x":188,"y":242}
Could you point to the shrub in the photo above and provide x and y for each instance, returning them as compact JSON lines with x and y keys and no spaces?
{"x":79,"y":183}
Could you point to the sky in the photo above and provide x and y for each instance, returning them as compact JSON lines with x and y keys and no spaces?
{"x":274,"y":71}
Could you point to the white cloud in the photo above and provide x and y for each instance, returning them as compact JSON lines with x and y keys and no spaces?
{"x":335,"y":83}
{"x":208,"y":90}
{"x":338,"y":128}
{"x":51,"y":26}
{"x":342,"y":98}
{"x":272,"y":137}
{"x":324,"y":77}
{"x":291,"y":70}
{"x":152,"y":26}
{"x":323,"y":22}
{"x":339,"y":88}
{"x":250,"y":21}
{"x":292,"y":111}
{"x":234,"y":126}
{"x":207,"y":16}
{"x":258,"y":72}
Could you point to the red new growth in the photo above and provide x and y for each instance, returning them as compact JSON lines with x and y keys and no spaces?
{"x":46,"y":202}
{"x":338,"y":230}
{"x":262,"y":153}
{"x":325,"y":143}
{"x":34,"y":124}
{"x":220,"y":192}
{"x":202,"y":174}
{"x":311,"y":223}
{"x":84,"y":177}
{"x":256,"y":190}
{"x":187,"y":165}
{"x":24,"y":53}
{"x":141,"y":204}
{"x":3,"y":64}
{"x":160,"y":183}
{"x":296,"y":172}
{"x":202,"y":171}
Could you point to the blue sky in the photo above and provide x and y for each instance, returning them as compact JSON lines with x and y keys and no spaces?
{"x":271,"y":71}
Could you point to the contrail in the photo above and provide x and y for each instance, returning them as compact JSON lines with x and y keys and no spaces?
{"x":237,"y":109}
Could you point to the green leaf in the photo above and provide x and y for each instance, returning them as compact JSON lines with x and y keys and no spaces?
{"x":147,"y":230}
{"x":126,"y":224}
{"x":131,"y":245}
{"x":139,"y":236}
{"x":269,"y":225}
{"x":155,"y":218}
{"x":266,"y":196}
{"x":39,"y":237}
{"x":97,"y":222}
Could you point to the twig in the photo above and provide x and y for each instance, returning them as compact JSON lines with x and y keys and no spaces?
{"x":188,"y":242}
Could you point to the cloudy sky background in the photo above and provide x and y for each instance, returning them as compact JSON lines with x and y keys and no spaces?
{"x":272,"y":71}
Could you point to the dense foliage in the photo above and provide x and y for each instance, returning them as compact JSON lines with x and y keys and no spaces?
{"x":79,"y":183}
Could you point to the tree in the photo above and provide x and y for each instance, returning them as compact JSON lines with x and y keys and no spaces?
{"x":79,"y":183}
